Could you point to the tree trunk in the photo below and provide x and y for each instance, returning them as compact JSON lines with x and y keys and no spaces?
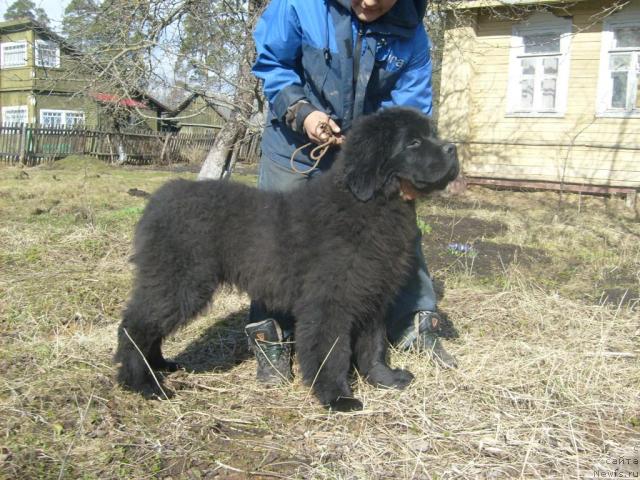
{"x":218,"y":164}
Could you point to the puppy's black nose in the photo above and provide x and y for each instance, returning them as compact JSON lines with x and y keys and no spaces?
{"x":451,"y":154}
{"x":450,"y":151}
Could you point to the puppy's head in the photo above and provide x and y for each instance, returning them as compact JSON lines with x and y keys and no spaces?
{"x":395,"y":152}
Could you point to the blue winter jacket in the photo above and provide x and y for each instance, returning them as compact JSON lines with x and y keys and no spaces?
{"x":305,"y":51}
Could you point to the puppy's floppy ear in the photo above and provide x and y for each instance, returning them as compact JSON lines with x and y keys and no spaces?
{"x":365,"y":151}
{"x":360,"y":182}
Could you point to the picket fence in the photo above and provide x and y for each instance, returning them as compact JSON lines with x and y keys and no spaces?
{"x":29,"y":144}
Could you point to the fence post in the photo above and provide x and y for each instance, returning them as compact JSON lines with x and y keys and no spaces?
{"x":168,"y":137}
{"x":23,"y":144}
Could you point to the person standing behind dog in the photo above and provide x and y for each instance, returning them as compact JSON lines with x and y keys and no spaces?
{"x":324,"y":63}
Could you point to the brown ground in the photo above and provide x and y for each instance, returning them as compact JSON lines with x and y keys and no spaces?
{"x":547,"y":384}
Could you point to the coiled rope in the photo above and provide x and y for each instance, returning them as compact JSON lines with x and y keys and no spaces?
{"x":317,"y":152}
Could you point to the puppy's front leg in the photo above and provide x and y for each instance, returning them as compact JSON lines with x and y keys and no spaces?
{"x":371,"y":357}
{"x":323,"y":347}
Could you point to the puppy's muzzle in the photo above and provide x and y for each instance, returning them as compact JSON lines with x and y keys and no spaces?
{"x":451,"y":156}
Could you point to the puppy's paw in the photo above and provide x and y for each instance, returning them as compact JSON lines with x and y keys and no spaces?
{"x":168,"y":366}
{"x":401,"y":378}
{"x":383,"y":376}
{"x":149,"y":390}
{"x":153,"y":392}
{"x":345,"y":404}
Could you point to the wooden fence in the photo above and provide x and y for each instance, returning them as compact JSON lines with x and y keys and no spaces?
{"x":31,"y":145}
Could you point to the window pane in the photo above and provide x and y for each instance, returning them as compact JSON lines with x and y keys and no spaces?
{"x":51,"y":119}
{"x":14,"y":55}
{"x":627,"y":37}
{"x":74,"y":118}
{"x":619,"y":62}
{"x":526,"y":93}
{"x":543,"y":43}
{"x":619,"y":91}
{"x":14,"y":115}
{"x":528,"y":66}
{"x":550,"y":65}
{"x":47,"y":54}
{"x":549,"y":94}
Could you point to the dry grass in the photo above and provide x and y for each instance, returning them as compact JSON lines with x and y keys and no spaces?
{"x":548,"y":383}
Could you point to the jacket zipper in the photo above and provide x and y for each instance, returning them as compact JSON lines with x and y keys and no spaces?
{"x":356,"y":56}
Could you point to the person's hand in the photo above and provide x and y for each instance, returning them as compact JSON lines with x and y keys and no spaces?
{"x":312,"y":127}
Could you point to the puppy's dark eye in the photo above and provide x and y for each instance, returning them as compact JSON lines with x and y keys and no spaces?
{"x":414,"y":143}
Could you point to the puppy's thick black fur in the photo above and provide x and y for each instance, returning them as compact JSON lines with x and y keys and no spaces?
{"x":333,"y":253}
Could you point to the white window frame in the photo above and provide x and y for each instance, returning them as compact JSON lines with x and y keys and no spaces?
{"x":37,"y":55}
{"x":7,"y":45}
{"x":20,"y":108}
{"x":63,"y":116}
{"x":539,"y":24}
{"x":77,"y":113}
{"x":628,"y":17}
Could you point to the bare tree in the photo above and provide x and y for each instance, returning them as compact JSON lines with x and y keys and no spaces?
{"x":221,"y":158}
{"x":204,"y":46}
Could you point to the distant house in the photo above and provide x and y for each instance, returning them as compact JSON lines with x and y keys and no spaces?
{"x":139,"y":110}
{"x":43,"y":81}
{"x":549,"y":98}
{"x":198,"y":114}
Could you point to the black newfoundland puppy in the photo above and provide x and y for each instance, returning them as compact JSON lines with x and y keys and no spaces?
{"x":333,"y":253}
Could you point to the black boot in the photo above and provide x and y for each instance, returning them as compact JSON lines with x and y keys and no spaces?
{"x":423,"y":336}
{"x":272,"y":351}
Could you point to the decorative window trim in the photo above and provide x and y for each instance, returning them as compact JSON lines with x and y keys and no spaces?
{"x":628,"y":17}
{"x":539,"y":24}
{"x":37,"y":56}
{"x":63,"y":116}
{"x":21,"y":108}
{"x":7,"y":45}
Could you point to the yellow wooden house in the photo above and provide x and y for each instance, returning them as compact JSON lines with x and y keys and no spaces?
{"x":544,"y":94}
{"x":46,"y":81}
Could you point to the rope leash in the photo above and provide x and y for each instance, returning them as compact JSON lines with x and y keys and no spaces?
{"x":317,"y":152}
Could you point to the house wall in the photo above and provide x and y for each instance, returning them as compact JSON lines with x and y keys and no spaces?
{"x":60,"y":88}
{"x":67,"y":102}
{"x":18,"y":99}
{"x":138,"y":119}
{"x":198,"y":117}
{"x":18,"y":77}
{"x":473,"y":110}
{"x":151,"y":118}
{"x":44,"y":101}
{"x":43,"y":88}
{"x":70,"y":77}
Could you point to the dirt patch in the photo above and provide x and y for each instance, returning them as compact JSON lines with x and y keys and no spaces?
{"x":626,"y":297}
{"x":445,"y":229}
{"x":483,"y":258}
{"x":618,"y":288}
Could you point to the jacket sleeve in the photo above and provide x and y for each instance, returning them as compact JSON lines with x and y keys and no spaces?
{"x":278,"y":39}
{"x":413,"y":88}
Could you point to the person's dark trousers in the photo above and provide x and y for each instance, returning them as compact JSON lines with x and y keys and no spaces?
{"x":418,"y":293}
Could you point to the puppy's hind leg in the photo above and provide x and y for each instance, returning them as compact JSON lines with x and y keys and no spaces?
{"x":136,"y":337}
{"x":154,"y":312}
{"x":157,"y":360}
